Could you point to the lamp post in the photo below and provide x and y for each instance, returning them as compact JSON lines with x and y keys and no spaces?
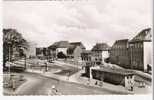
{"x":25,"y":61}
{"x":9,"y":56}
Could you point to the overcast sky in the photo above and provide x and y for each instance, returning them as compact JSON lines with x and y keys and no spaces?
{"x":87,"y":21}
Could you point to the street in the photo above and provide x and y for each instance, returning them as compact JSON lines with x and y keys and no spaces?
{"x":40,"y":85}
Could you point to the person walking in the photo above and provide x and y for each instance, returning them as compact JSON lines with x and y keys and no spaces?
{"x":46,"y":67}
{"x":131,"y":85}
{"x":54,"y":91}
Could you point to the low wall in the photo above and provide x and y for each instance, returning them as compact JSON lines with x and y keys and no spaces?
{"x":113,"y":78}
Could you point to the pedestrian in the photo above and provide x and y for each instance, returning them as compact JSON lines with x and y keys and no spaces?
{"x":96,"y":83}
{"x":46,"y":67}
{"x":54,"y":91}
{"x":132,"y":85}
{"x":13,"y":84}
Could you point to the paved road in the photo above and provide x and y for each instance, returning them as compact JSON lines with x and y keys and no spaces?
{"x":40,"y":85}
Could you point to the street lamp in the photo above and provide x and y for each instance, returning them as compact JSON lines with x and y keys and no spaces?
{"x":9,"y":58}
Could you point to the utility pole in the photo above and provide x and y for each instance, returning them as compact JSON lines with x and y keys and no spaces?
{"x":9,"y":61}
{"x":25,"y":62}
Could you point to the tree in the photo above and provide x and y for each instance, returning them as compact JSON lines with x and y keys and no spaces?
{"x":13,"y":40}
{"x":61,"y":55}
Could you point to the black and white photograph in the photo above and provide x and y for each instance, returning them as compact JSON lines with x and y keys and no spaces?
{"x":77,"y":47}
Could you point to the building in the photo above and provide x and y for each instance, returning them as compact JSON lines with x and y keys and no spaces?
{"x":57,"y":47}
{"x":31,"y":51}
{"x":42,"y":52}
{"x":86,"y":56}
{"x":119,"y":53}
{"x":74,"y":51}
{"x":52,"y":52}
{"x":141,"y":50}
{"x":100,"y":52}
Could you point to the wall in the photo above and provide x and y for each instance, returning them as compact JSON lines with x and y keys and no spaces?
{"x":136,"y":55}
{"x":123,"y":60}
{"x":113,"y":78}
{"x":77,"y":54}
{"x":147,"y":54}
{"x":105,"y":54}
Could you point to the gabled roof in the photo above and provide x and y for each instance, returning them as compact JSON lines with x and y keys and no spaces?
{"x":101,"y":47}
{"x":78,"y":44}
{"x":144,"y":35}
{"x":73,"y":45}
{"x":71,"y":49}
{"x":59,"y":44}
{"x":87,"y":51}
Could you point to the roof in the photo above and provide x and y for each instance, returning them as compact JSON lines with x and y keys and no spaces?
{"x":86,"y":51}
{"x":121,"y":42}
{"x":78,"y":44}
{"x":73,"y":45}
{"x":71,"y":49}
{"x":59,"y":44}
{"x":101,"y":47}
{"x":144,"y":35}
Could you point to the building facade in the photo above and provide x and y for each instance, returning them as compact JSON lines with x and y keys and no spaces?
{"x":57,"y":47}
{"x":42,"y":52}
{"x":119,"y":53}
{"x":141,"y":50}
{"x":74,"y":51}
{"x":100,"y":52}
{"x":86,"y":56}
{"x":135,"y":53}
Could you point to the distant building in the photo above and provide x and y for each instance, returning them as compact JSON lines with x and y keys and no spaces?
{"x":74,"y":50}
{"x":119,"y":53}
{"x":141,"y":50}
{"x":42,"y":52}
{"x":100,"y":52}
{"x":60,"y":46}
{"x":52,"y":52}
{"x":71,"y":50}
{"x":31,"y":52}
{"x":86,"y":56}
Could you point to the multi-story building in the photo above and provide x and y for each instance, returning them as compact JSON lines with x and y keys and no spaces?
{"x":141,"y":50}
{"x":100,"y":52}
{"x":135,"y":53}
{"x":119,"y":53}
{"x":86,"y":56}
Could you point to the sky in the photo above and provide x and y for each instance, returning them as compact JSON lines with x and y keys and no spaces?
{"x":88,"y":21}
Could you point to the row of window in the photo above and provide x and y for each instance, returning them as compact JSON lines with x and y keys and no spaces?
{"x":135,"y":45}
